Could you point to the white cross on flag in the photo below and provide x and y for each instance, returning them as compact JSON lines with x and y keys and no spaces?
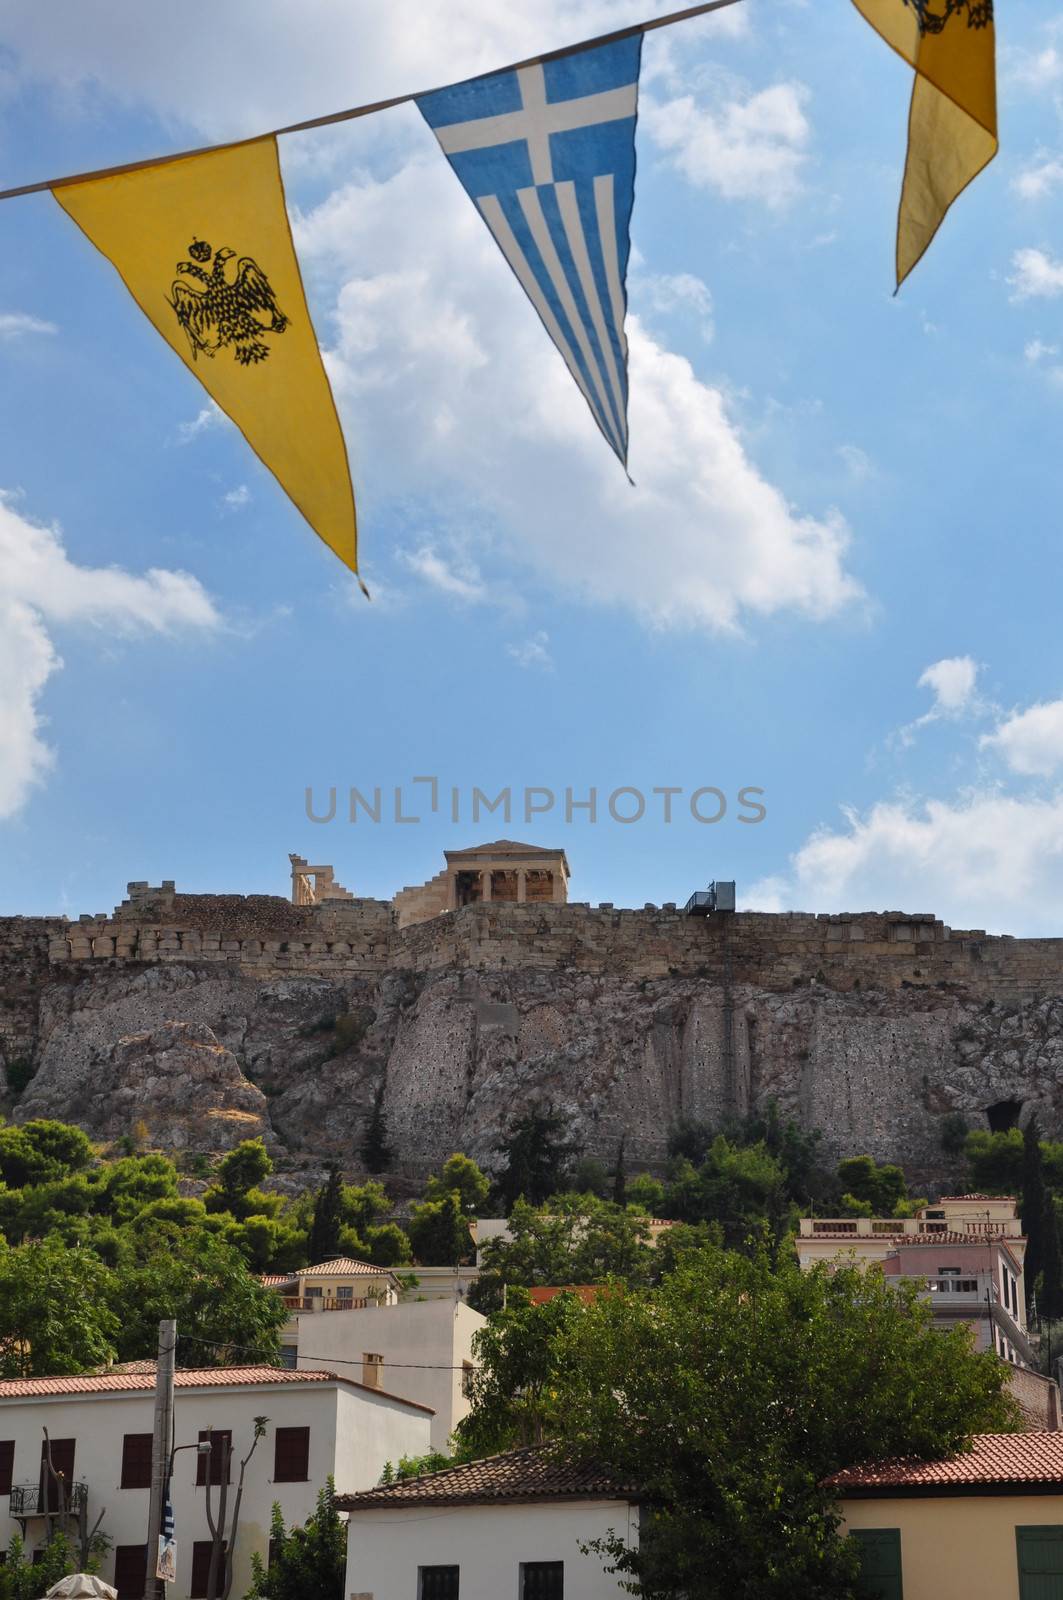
{"x":547,"y":154}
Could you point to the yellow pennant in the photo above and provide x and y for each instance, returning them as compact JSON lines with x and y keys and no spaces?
{"x":952,"y":123}
{"x":204,"y":247}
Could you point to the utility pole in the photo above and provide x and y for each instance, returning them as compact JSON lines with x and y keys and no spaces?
{"x":161,"y":1446}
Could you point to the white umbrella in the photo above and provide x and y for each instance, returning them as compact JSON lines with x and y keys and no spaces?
{"x":81,"y":1586}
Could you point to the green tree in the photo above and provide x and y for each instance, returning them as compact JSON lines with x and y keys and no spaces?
{"x":324,"y":1241}
{"x":620,"y":1174}
{"x":68,"y":1148}
{"x":376,"y":1151}
{"x":1050,"y":1301}
{"x":538,"y":1154}
{"x":953,"y":1131}
{"x":389,"y":1245}
{"x":876,"y":1189}
{"x":55,"y":1311}
{"x":26,"y":1575}
{"x":646,"y":1193}
{"x":738,"y":1187}
{"x":1033,"y":1206}
{"x":439,"y":1232}
{"x":307,"y":1563}
{"x":516,"y":1385}
{"x":462,"y":1176}
{"x":573,"y":1239}
{"x":994,"y":1161}
{"x":223,"y":1312}
{"x":730,"y":1395}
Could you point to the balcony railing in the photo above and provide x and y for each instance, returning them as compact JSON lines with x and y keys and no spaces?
{"x":317,"y":1302}
{"x":35,"y":1500}
{"x":956,"y":1288}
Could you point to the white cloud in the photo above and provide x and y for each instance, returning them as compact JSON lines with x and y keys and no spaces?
{"x":952,"y":682}
{"x":1035,"y":69}
{"x":533,"y":652}
{"x":41,"y":588}
{"x":1034,"y":182}
{"x":211,"y":416}
{"x":267,"y":64}
{"x":479,"y":403}
{"x":1036,"y":275}
{"x":675,"y":292}
{"x":982,"y":859}
{"x":1031,"y":741}
{"x":457,"y":577}
{"x":236,"y":499}
{"x":16,"y":324}
{"x":858,"y":463}
{"x":1034,"y":350}
{"x":745,"y":149}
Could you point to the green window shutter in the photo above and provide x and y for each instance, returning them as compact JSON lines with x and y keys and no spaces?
{"x":880,"y":1561}
{"x":1040,"y":1551}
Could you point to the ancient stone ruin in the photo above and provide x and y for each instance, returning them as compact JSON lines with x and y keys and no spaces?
{"x":204,"y":1017}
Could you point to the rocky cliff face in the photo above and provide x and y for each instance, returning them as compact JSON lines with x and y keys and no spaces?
{"x":625,"y":1020}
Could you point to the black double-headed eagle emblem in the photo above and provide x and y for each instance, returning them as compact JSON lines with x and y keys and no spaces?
{"x":225,"y":306}
{"x":932,"y":15}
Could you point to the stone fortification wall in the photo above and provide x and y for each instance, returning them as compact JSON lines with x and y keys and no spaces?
{"x":266,"y":935}
{"x":870,"y":1027}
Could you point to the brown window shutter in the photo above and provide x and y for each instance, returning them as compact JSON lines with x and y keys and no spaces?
{"x":136,"y":1461}
{"x":7,"y":1464}
{"x":218,"y":1440}
{"x":63,"y":1463}
{"x":130,"y":1570}
{"x":201,"y":1568}
{"x":291,"y":1455}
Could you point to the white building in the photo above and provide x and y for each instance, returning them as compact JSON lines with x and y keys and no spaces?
{"x":100,"y":1429}
{"x":420,"y":1349}
{"x":512,"y":1527}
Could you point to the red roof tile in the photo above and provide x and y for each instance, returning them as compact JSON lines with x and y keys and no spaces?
{"x":1002,"y":1458}
{"x":143,"y":1382}
{"x":535,"y":1473}
{"x":343,"y":1267}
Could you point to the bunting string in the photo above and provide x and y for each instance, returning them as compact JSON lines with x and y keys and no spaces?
{"x":370,"y":108}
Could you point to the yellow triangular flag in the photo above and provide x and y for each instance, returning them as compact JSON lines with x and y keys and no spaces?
{"x":952,"y":123}
{"x":204,"y":247}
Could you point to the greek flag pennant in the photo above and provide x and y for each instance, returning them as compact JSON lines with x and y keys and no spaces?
{"x":547,"y":154}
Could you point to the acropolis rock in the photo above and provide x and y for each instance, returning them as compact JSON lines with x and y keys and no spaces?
{"x":288,"y":1018}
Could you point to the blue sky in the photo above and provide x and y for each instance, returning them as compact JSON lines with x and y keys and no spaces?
{"x":837,"y":579}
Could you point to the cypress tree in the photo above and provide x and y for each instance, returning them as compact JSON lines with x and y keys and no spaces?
{"x":1051,"y":1301}
{"x":324,"y":1241}
{"x":1033,"y":1204}
{"x":376,"y":1152}
{"x":620,"y":1175}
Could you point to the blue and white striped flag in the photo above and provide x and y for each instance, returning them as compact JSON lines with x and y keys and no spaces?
{"x":547,"y":154}
{"x":166,"y":1563}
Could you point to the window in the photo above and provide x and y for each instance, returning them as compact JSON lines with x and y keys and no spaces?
{"x":290,"y":1356}
{"x":63,"y":1464}
{"x":880,"y":1561}
{"x":437,"y":1583}
{"x":345,"y":1291}
{"x":221,"y":1441}
{"x":136,"y":1461}
{"x":130,"y":1570}
{"x":7,"y":1464}
{"x":291,"y":1455}
{"x":542,"y":1580}
{"x":201,"y":1568}
{"x":1040,"y":1552}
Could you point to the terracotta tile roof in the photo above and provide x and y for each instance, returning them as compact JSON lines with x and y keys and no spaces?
{"x":535,"y":1473}
{"x":342,"y":1267}
{"x":115,"y":1381}
{"x":994,"y":1458}
{"x":1002,"y":1198}
{"x":142,"y":1381}
{"x":587,"y":1292}
{"x":979,"y":1239}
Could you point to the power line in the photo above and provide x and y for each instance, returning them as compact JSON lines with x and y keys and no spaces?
{"x":327,"y":1361}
